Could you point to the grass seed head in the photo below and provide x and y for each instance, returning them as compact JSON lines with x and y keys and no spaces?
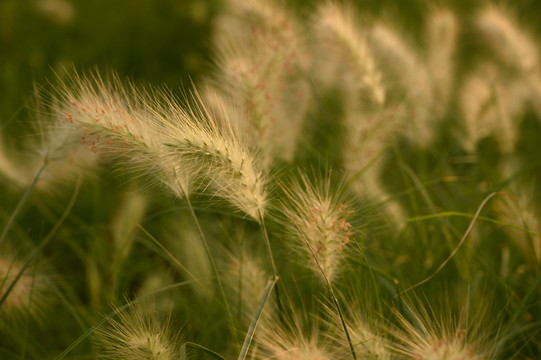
{"x":402,"y":59}
{"x":492,"y":105}
{"x":207,"y":145}
{"x":442,"y":35}
{"x":444,"y":336}
{"x":339,"y":35}
{"x":292,"y":340}
{"x":510,"y":42}
{"x":317,"y":220}
{"x":121,"y":121}
{"x":138,"y":334}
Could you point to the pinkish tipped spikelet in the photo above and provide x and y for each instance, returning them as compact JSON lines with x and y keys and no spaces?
{"x":153,"y":133}
{"x":318,"y":221}
{"x":120,"y":121}
{"x":261,"y":71}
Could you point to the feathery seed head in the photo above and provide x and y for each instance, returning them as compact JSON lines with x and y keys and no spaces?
{"x":261,"y":73}
{"x":178,"y":145}
{"x":509,"y":41}
{"x":446,"y":337}
{"x":491,"y":105}
{"x":403,"y":60}
{"x":367,"y":335}
{"x":337,"y":27}
{"x":291,"y":341}
{"x":208,"y":147}
{"x":139,"y":335}
{"x":318,"y":221}
{"x":52,"y":146}
{"x":272,"y":99}
{"x":442,"y":36}
{"x":122,"y":121}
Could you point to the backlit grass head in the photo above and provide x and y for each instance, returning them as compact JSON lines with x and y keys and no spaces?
{"x":138,"y":333}
{"x":293,"y":340}
{"x":441,"y":335}
{"x":318,"y":224}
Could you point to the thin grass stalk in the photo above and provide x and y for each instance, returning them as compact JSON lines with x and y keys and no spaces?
{"x":531,"y":290}
{"x":373,"y":278}
{"x":67,"y":304}
{"x":45,"y":241}
{"x":167,"y":252}
{"x":207,"y":351}
{"x":273,"y":265}
{"x":333,"y":296}
{"x":455,"y":250}
{"x":231,"y":321}
{"x":255,"y":321}
{"x":22,"y":202}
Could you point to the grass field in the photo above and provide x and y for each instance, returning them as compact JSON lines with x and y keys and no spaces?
{"x":245,"y":179}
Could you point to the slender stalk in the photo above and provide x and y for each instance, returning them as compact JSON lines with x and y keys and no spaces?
{"x":216,"y":273}
{"x":268,"y":246}
{"x":22,"y":201}
{"x":273,"y":265}
{"x":251,"y":331}
{"x":45,"y":241}
{"x":168,"y":253}
{"x":209,"y":352}
{"x":455,"y":250}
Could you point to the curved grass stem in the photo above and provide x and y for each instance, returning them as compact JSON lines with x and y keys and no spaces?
{"x":273,"y":264}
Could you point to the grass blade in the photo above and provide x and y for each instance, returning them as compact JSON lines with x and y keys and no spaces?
{"x":255,"y":321}
{"x":198,"y":347}
{"x":21,"y":203}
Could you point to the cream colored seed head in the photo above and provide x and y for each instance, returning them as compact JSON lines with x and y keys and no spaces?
{"x":340,"y":33}
{"x":318,"y":221}
{"x":508,"y":40}
{"x":138,"y":335}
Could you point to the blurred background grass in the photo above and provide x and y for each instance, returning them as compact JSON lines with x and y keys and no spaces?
{"x":157,"y":42}
{"x":168,"y":42}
